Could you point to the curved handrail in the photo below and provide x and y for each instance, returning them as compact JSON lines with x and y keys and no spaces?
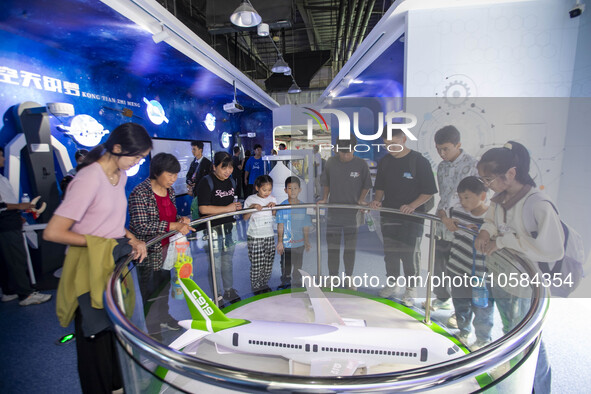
{"x":469,"y":365}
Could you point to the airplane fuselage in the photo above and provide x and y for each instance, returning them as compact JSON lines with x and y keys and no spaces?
{"x":304,"y":342}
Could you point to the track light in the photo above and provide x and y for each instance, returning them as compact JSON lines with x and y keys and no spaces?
{"x":280,"y":66}
{"x":245,"y":15}
{"x":161,"y":35}
{"x":263,"y":30}
{"x":294,"y":88}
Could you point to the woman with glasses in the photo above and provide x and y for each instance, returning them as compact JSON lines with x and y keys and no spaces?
{"x":91,"y":220}
{"x":506,"y":171}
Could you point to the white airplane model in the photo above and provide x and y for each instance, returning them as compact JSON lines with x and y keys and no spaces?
{"x":328,"y":345}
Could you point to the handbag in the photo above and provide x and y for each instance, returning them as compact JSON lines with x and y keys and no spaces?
{"x":173,"y":250}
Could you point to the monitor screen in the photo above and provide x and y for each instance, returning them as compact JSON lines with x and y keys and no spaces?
{"x":181,"y":149}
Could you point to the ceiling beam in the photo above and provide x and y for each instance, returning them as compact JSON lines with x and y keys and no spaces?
{"x":308,"y":19}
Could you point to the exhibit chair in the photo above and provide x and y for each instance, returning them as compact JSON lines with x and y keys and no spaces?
{"x":150,"y":364}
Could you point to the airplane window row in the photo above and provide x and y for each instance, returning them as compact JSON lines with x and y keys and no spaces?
{"x":266,"y":343}
{"x":369,"y":351}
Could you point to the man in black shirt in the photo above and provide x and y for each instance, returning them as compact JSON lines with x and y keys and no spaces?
{"x":345,"y":180}
{"x":404,"y":181}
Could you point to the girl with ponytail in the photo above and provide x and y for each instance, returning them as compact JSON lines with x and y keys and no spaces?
{"x":506,"y":171}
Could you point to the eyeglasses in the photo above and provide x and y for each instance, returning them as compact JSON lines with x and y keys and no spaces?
{"x":487,"y":180}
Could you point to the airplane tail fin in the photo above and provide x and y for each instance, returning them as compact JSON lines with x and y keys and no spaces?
{"x":205,"y":314}
{"x":324,"y":312}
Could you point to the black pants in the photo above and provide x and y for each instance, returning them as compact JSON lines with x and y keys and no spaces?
{"x":335,"y":230}
{"x":154,"y":287}
{"x":98,"y":362}
{"x":13,"y":264}
{"x":402,"y":242}
{"x":442,"y":250}
{"x":292,"y":258}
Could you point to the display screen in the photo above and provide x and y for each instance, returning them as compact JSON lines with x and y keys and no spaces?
{"x":181,"y":149}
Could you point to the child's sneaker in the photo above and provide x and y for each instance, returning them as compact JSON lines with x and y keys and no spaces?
{"x":35,"y":298}
{"x":464,"y":337}
{"x":231,"y":295}
{"x":478,"y":344}
{"x":439,"y":304}
{"x":452,"y":322}
{"x":9,"y":297}
{"x":409,"y":297}
{"x":387,"y":292}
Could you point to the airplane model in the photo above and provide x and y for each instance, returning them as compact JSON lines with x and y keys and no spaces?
{"x":329,"y":345}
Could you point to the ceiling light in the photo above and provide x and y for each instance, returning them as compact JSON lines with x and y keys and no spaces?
{"x":263,"y":30}
{"x":280,"y":66}
{"x":294,"y":88}
{"x":245,"y":15}
{"x":287,"y":73}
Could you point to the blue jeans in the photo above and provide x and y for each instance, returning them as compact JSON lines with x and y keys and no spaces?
{"x":465,"y":310}
{"x":483,"y":317}
{"x":224,"y":254}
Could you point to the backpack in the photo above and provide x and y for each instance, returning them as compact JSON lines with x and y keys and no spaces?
{"x":195,"y":205}
{"x":430,"y":204}
{"x":210,"y":182}
{"x":570,"y":267}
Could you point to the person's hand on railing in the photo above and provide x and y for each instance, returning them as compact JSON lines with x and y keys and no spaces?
{"x":185,"y":220}
{"x":139,"y":250}
{"x":363,"y":203}
{"x":270,"y":205}
{"x":181,"y":227}
{"x":407,"y":209}
{"x":258,"y":207}
{"x":490,"y":248}
{"x":235,"y":206}
{"x":375,"y":204}
{"x":450,"y":224}
{"x":323,"y":201}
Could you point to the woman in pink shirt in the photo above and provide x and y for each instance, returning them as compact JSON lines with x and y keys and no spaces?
{"x":95,"y":204}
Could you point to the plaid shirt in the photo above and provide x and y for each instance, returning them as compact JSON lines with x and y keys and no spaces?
{"x":144,"y":220}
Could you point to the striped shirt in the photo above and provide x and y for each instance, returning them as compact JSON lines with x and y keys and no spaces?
{"x":463,"y":255}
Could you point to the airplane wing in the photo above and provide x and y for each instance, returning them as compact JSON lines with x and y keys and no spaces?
{"x":334,"y":367}
{"x":324,"y":312}
{"x":187,"y":338}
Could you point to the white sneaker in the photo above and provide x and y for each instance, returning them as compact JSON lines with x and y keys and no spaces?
{"x":409,"y":296}
{"x":387,"y":292}
{"x":478,"y":344}
{"x":439,"y":304}
{"x":452,"y":322}
{"x":35,"y":298}
{"x":464,"y":337}
{"x":9,"y":297}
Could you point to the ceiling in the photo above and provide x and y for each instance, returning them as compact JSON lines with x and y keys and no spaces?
{"x":316,"y":37}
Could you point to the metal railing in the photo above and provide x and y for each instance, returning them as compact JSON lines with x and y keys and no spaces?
{"x":520,"y":340}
